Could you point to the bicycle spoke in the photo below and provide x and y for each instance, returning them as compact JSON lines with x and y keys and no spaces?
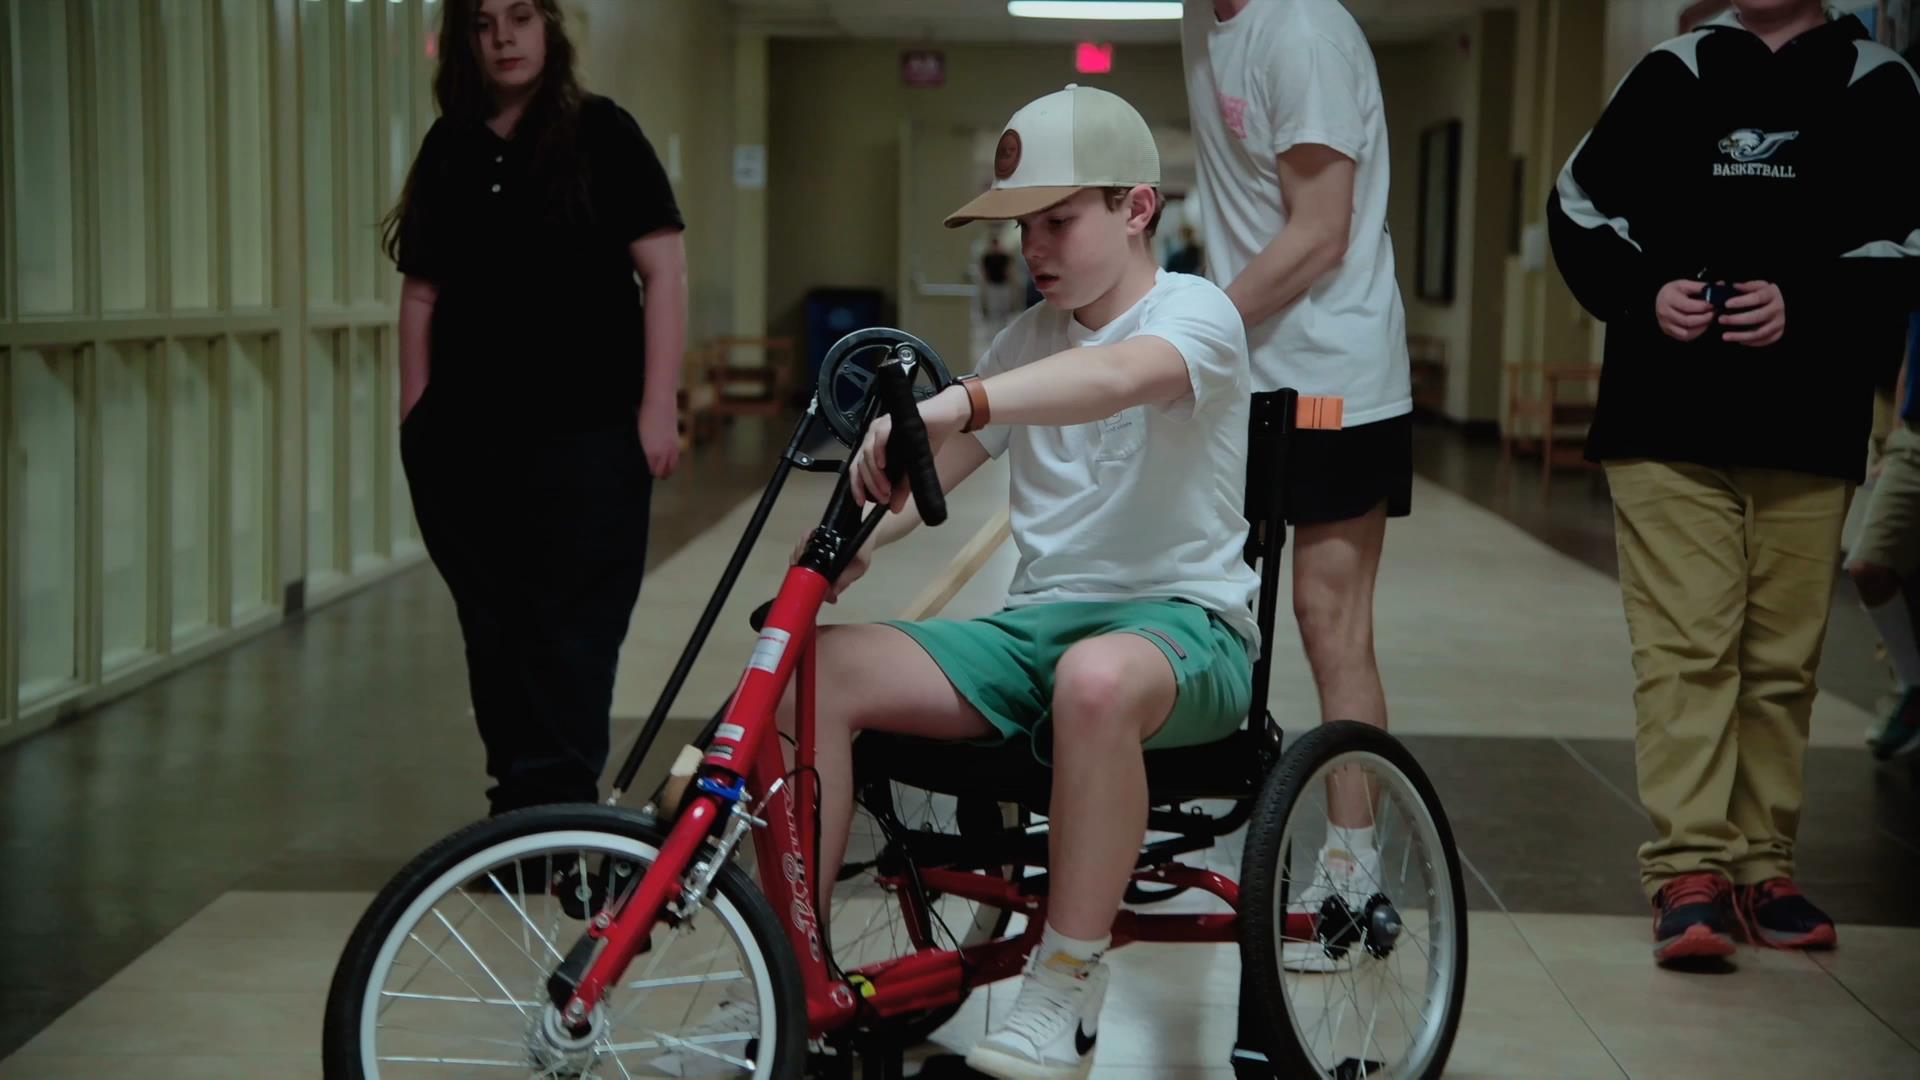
{"x":463,"y":979}
{"x":523,"y":1006}
{"x":528,"y":923}
{"x":461,"y":1062}
{"x":457,"y":936}
{"x":700,"y":1047}
{"x":687,"y":980}
{"x":418,"y":971}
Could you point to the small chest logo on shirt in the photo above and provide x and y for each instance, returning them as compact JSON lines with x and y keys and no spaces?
{"x":1750,"y":148}
{"x":1234,"y":111}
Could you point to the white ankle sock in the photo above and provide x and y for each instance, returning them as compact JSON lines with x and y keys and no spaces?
{"x":1895,"y":624}
{"x":1070,"y":955}
{"x":1352,"y":841}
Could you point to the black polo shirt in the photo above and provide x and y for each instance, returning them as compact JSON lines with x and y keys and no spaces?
{"x":538,"y":327}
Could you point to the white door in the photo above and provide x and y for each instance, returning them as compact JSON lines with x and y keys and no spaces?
{"x":938,"y":174}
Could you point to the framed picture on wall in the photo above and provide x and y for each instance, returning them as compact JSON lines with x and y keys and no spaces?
{"x":1439,"y":210}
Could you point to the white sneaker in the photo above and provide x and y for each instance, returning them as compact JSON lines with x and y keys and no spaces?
{"x":1051,"y":1032}
{"x":1355,"y":878}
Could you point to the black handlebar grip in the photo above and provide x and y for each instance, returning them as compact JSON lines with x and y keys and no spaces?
{"x":907,"y":448}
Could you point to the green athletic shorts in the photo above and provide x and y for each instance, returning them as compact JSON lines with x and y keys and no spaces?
{"x":1003,"y":664}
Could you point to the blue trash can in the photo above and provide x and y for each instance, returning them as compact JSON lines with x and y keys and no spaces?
{"x":833,"y":314}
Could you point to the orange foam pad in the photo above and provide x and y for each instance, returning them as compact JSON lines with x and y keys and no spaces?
{"x":1320,"y":413}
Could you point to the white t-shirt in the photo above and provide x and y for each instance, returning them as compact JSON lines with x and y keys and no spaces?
{"x":1147,"y":503}
{"x":1279,"y":74}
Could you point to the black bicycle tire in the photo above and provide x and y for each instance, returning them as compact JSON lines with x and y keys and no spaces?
{"x":1260,"y":954}
{"x":340,"y":1036}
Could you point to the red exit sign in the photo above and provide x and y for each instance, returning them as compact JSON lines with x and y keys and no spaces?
{"x":923,"y":67}
{"x":1092,"y":59}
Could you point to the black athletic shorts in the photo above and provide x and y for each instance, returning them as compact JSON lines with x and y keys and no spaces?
{"x":1340,"y":475}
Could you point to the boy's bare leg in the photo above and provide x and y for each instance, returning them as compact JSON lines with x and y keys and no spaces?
{"x":1334,"y":569}
{"x":1110,"y":695}
{"x":871,"y":678}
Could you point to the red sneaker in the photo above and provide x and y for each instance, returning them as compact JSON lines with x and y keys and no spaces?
{"x":1692,"y":917}
{"x":1775,"y":914}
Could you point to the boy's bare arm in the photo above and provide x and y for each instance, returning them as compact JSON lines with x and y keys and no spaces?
{"x":1077,"y":386}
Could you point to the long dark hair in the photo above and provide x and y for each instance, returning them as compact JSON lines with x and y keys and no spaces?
{"x":551,"y":120}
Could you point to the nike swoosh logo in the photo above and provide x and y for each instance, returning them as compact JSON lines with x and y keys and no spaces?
{"x":1082,"y":1042}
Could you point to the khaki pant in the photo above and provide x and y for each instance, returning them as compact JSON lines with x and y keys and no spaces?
{"x":1727,"y":576}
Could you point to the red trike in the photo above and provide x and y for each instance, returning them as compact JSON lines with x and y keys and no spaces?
{"x":598,"y":941}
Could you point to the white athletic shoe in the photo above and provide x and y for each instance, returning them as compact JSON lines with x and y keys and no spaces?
{"x":1050,"y":1034}
{"x":1355,"y":878}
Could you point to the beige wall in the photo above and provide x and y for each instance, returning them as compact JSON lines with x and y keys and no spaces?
{"x":1464,"y":74}
{"x":836,"y":108}
{"x":1518,"y":328}
{"x":1558,"y":90}
{"x":199,"y":415}
{"x":1633,"y":28}
{"x":1489,"y":164}
{"x":671,"y":66}
{"x":1426,"y":83}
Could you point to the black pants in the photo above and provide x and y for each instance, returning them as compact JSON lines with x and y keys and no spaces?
{"x":542,"y":543}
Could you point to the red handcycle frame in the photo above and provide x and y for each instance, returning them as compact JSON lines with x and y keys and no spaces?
{"x":787,"y":857}
{"x":743,"y":759}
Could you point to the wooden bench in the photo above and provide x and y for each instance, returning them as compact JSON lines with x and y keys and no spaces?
{"x":714,"y":388}
{"x":763,"y":389}
{"x":1427,"y":359}
{"x":1543,"y":417}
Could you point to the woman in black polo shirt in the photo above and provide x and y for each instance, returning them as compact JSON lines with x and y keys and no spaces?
{"x":538,"y":403}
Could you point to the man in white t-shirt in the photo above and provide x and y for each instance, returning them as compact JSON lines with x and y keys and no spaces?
{"x":1121,"y":403}
{"x":1291,"y":138}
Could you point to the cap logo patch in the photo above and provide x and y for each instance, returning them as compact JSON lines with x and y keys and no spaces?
{"x":1006,"y":157}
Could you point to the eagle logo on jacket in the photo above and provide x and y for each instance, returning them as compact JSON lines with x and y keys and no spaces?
{"x":1752,"y":144}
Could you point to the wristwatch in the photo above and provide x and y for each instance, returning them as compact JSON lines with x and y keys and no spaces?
{"x":977,"y":398}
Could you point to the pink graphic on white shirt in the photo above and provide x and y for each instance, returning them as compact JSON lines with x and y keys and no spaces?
{"x":1234,"y":111}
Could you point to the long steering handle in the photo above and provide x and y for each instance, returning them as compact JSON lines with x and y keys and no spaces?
{"x":907,"y":448}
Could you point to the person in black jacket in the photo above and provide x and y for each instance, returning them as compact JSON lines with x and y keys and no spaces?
{"x":1737,"y":218}
{"x":538,"y":399}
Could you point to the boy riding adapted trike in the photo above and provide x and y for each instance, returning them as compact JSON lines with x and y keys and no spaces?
{"x":599,"y":941}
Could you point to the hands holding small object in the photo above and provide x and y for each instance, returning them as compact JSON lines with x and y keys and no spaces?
{"x":1752,"y":312}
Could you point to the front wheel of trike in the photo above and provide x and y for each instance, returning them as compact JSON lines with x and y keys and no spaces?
{"x":446,"y":974}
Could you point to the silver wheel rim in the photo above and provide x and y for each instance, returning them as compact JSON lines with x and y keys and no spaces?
{"x":757,"y":971}
{"x":1365,"y":993}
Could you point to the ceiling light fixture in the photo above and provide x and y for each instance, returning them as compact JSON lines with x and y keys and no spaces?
{"x":1101,"y":10}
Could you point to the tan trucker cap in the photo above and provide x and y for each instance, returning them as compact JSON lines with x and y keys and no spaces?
{"x":1076,"y":138}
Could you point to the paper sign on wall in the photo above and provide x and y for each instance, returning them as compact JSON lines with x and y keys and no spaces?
{"x":750,"y":167}
{"x":1533,"y":247}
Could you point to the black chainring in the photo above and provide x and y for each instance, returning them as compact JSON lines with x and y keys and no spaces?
{"x":848,"y":370}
